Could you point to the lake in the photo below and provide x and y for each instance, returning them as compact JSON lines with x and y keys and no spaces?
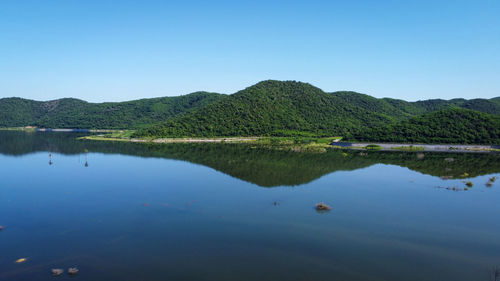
{"x":137,"y":212}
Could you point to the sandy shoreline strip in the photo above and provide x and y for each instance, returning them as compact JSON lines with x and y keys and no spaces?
{"x":421,"y":147}
{"x":343,"y":145}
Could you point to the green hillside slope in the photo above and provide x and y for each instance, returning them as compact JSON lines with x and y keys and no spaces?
{"x":74,"y":113}
{"x":273,"y":108}
{"x":289,"y":108}
{"x":269,"y":108}
{"x":453,"y":125}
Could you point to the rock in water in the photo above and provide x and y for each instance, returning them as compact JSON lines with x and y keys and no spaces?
{"x":73,"y":270}
{"x":57,"y":271}
{"x":323,"y":207}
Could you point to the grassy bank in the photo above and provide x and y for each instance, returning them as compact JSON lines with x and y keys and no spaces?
{"x":288,"y":143}
{"x":298,"y":144}
{"x":25,"y":129}
{"x":408,"y":148}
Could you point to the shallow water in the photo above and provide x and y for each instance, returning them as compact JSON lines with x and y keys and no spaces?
{"x":237,"y":212}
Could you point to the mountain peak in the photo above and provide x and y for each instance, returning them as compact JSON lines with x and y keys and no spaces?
{"x":282,"y":83}
{"x":275,"y":88}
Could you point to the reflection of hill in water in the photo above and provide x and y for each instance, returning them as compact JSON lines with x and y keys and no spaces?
{"x":262,"y":166}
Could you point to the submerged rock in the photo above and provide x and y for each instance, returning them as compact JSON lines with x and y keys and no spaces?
{"x":1,"y":227}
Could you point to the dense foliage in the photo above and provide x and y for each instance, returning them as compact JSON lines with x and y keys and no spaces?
{"x":454,"y":125}
{"x":275,"y":108}
{"x":74,"y":113}
{"x":269,"y":108}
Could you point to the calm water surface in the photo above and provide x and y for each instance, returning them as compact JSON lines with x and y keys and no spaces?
{"x":237,"y":212}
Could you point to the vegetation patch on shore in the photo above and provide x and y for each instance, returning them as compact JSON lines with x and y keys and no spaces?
{"x":373,"y":147}
{"x":296,"y":144}
{"x":408,"y":148}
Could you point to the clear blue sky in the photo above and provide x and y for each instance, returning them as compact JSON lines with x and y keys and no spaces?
{"x":120,"y":50}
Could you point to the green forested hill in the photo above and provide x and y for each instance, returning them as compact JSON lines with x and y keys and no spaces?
{"x":401,"y":109}
{"x":292,"y":108}
{"x":452,"y":125}
{"x":273,"y":108}
{"x":74,"y":113}
{"x":269,"y":108}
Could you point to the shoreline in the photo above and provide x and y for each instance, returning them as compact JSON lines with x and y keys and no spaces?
{"x":298,"y":143}
{"x":363,"y":146}
{"x":176,"y":140}
{"x":417,"y":147}
{"x":60,"y":130}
